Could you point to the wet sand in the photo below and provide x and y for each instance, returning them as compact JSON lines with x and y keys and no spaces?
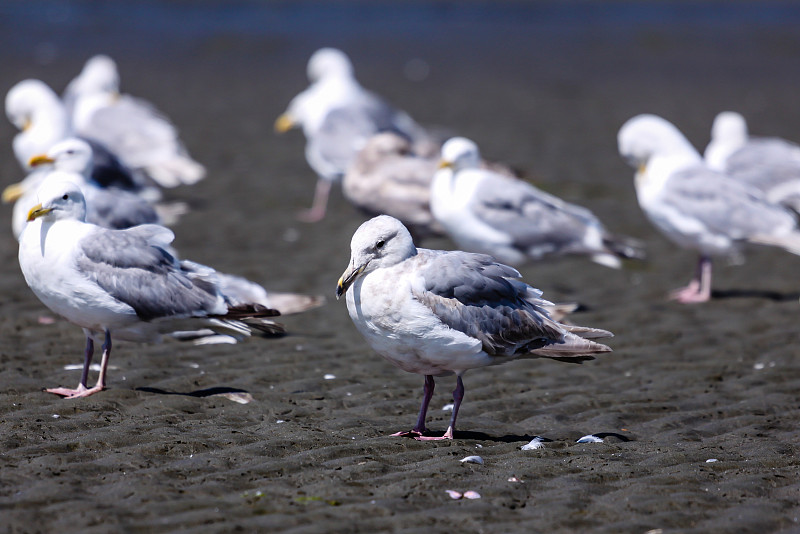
{"x":542,"y":88}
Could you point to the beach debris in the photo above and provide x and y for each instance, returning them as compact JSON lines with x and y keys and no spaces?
{"x":466,"y":495}
{"x":93,"y":367}
{"x":242,"y":397}
{"x":329,"y":376}
{"x":515,"y":479}
{"x":448,"y":407}
{"x":711,"y":460}
{"x":472,"y":460}
{"x":313,"y":498}
{"x":46,"y":319}
{"x":536,"y":443}
{"x":591,"y":438}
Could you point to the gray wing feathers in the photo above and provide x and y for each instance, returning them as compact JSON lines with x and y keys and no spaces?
{"x":474,"y":295}
{"x":724,"y":206}
{"x":134,"y":267}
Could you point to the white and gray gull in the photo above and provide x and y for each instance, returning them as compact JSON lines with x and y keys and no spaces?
{"x":696,"y":207}
{"x":486,"y":211}
{"x":122,"y":283}
{"x":438,"y":313}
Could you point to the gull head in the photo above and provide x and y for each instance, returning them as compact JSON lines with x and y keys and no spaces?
{"x":380,"y":242}
{"x":69,"y":155}
{"x":460,"y":153}
{"x":645,"y":136}
{"x":28,"y":98}
{"x":328,"y":62}
{"x":99,"y":75}
{"x":729,"y":127}
{"x":59,"y":199}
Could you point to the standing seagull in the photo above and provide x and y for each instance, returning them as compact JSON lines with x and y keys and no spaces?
{"x":696,"y":207}
{"x":437,"y":313}
{"x":122,"y":283}
{"x":338,"y":116}
{"x":485,"y":211}
{"x":770,"y":164}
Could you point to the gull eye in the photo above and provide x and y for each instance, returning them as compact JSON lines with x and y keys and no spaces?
{"x":380,"y":244}
{"x":65,"y":197}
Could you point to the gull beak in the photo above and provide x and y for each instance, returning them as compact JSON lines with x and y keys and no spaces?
{"x":13,"y":192}
{"x":38,"y":211}
{"x":347,"y":279}
{"x":26,"y":124}
{"x":444,"y":164}
{"x":284,"y":123}
{"x":35,"y":161}
{"x":642,"y":168}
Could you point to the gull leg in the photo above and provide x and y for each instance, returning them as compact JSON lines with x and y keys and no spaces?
{"x":87,"y":362}
{"x":699,"y":289}
{"x":101,"y":380}
{"x":427,"y":394}
{"x":458,"y":396}
{"x":320,"y":204}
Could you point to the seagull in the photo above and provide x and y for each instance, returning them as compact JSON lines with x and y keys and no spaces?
{"x":388,"y":178}
{"x":338,"y":116}
{"x":35,"y":109}
{"x":770,"y":164}
{"x":122,"y":283}
{"x":110,"y":207}
{"x":485,"y":211}
{"x":696,"y":207}
{"x":132,"y":128}
{"x":437,"y":313}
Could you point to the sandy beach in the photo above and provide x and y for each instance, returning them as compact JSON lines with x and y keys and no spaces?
{"x":699,"y":405}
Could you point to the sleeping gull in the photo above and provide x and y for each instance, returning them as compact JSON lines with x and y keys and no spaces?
{"x":122,"y":283}
{"x":388,"y":178}
{"x":769,"y":164}
{"x":696,"y":207}
{"x":485,"y":211}
{"x":338,"y":116}
{"x":437,"y":313}
{"x":132,"y":128}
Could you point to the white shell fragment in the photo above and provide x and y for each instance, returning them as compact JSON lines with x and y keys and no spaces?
{"x":472,"y":460}
{"x":711,"y":460}
{"x":329,"y":377}
{"x":591,"y":438}
{"x":454,"y":494}
{"x":466,"y":495}
{"x":448,"y":407}
{"x":472,"y":495}
{"x":242,"y":397}
{"x":536,"y":443}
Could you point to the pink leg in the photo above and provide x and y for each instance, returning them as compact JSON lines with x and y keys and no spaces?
{"x":318,"y":208}
{"x":458,"y":396}
{"x":427,"y":394}
{"x":699,"y":289}
{"x":82,"y":390}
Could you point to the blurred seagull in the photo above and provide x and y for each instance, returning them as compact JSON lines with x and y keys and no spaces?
{"x":696,"y":207}
{"x":485,"y":211}
{"x":132,"y":128}
{"x":338,"y":116}
{"x":122,"y":283}
{"x":770,"y":164}
{"x":438,"y":313}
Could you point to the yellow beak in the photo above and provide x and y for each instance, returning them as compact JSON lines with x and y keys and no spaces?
{"x":26,"y":124}
{"x":38,"y":211}
{"x":13,"y":192}
{"x":444,"y":164}
{"x":42,"y":159}
{"x":284,"y":123}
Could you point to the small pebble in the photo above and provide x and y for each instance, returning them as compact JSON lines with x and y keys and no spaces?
{"x":472,"y":460}
{"x":514,"y":479}
{"x":329,"y":377}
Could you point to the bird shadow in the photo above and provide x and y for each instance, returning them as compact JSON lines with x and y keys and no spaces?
{"x":200,"y":393}
{"x":777,"y":296}
{"x":527,"y":438}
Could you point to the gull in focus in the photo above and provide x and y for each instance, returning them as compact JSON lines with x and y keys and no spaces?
{"x":437,"y":313}
{"x":485,"y":211}
{"x":132,"y":128}
{"x":338,"y":116}
{"x":123,"y":283}
{"x":696,"y":207}
{"x":770,"y":164}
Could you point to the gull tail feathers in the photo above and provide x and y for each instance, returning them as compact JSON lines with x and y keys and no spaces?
{"x":788,"y":242}
{"x":575,"y":348}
